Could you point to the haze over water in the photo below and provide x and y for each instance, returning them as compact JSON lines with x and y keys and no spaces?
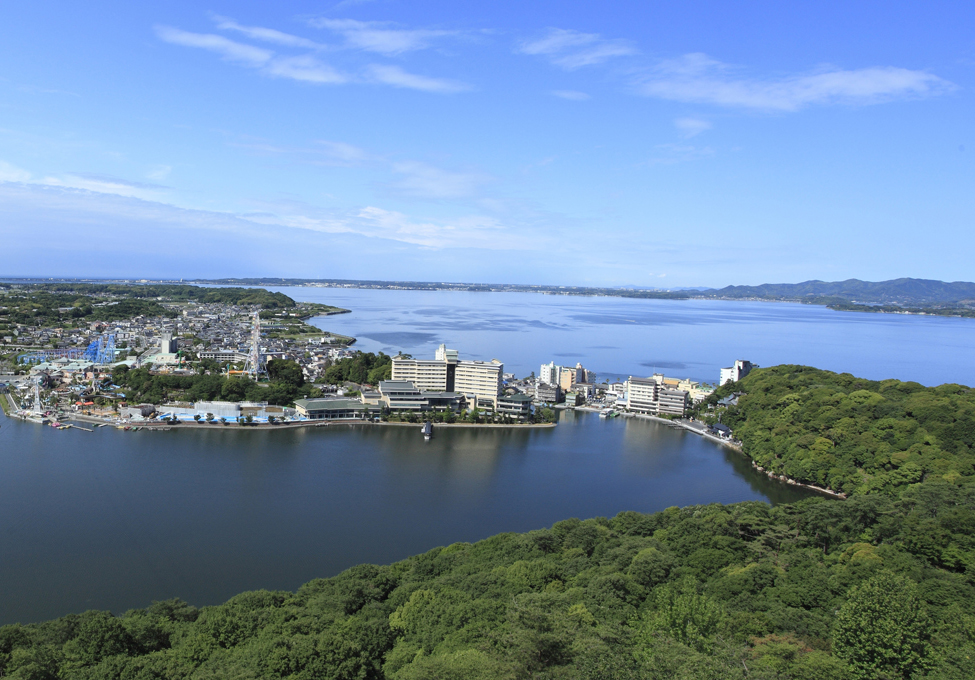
{"x":115,"y":520}
{"x":617,"y":337}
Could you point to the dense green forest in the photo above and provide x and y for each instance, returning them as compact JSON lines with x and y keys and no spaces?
{"x":363,"y":368}
{"x":286,"y":384}
{"x":175,"y":293}
{"x":906,"y":291}
{"x":818,"y":590}
{"x":45,"y":308}
{"x":852,"y":435}
{"x":64,"y":303}
{"x":880,"y":586}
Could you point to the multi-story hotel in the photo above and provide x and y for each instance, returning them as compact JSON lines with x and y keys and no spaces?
{"x":650,"y":395}
{"x":479,"y":381}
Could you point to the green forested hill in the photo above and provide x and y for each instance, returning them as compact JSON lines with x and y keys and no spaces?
{"x":871,"y":587}
{"x":849,"y":434}
{"x":899,"y":291}
{"x":879,"y":586}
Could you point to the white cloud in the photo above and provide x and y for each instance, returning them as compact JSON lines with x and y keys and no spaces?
{"x":377,"y":36}
{"x":691,"y":127}
{"x":103,"y":184}
{"x":159,"y":172}
{"x":397,"y":77}
{"x":425,"y":181}
{"x":571,"y":95}
{"x":572,"y":49}
{"x":697,"y":78}
{"x":340,"y":151}
{"x":306,"y":69}
{"x":11,"y":173}
{"x":267,"y":34}
{"x":228,"y":49}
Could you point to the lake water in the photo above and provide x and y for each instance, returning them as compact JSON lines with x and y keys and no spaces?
{"x":617,"y":337}
{"x":115,"y":520}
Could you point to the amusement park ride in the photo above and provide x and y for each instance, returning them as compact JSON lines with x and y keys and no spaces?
{"x":99,"y":351}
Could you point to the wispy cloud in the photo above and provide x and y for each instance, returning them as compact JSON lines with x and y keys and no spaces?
{"x":159,"y":172}
{"x":267,"y":34}
{"x":691,"y":127}
{"x":572,"y":49}
{"x":397,"y":77}
{"x":571,"y":95}
{"x":306,"y":69}
{"x":380,"y":36}
{"x":309,"y":68}
{"x":697,"y":78}
{"x":226,"y":48}
{"x":11,"y":173}
{"x":342,"y":152}
{"x":105,"y":184}
{"x":102,"y":184}
{"x":420,"y":180}
{"x":319,"y":152}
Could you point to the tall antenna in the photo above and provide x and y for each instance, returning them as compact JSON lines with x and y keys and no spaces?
{"x":254,"y":364}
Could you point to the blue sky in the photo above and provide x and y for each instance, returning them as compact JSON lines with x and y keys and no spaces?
{"x":628,"y":143}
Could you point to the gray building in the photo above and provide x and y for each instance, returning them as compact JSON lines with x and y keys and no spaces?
{"x":515,"y":405}
{"x":548,"y":394}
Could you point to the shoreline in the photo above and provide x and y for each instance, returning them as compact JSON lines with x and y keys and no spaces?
{"x":681,"y":425}
{"x":216,"y":425}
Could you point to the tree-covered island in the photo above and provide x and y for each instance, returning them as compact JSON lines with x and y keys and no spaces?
{"x":881,"y":585}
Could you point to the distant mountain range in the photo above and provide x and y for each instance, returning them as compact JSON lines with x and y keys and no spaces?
{"x":901,"y":292}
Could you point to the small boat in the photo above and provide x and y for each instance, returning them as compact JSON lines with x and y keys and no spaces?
{"x":427,"y":430}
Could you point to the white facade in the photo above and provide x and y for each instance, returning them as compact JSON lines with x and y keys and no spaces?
{"x":736,"y":372}
{"x":427,"y":375}
{"x":649,"y":395}
{"x":642,"y":394}
{"x":479,"y":381}
{"x":550,"y":373}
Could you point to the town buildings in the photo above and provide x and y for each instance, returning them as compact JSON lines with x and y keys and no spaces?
{"x":479,"y":381}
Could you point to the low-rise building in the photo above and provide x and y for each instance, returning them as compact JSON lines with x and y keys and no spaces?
{"x":401,"y":396}
{"x":332,"y":409}
{"x":548,"y":394}
{"x":516,"y":405}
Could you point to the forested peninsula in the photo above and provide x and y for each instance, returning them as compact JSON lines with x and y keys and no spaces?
{"x":881,"y":585}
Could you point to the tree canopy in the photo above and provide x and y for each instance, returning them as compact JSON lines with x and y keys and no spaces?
{"x":849,"y":434}
{"x":878,"y":586}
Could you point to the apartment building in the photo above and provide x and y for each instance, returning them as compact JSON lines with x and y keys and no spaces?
{"x":735,"y":373}
{"x":550,"y":373}
{"x":652,"y":396}
{"x":479,"y":381}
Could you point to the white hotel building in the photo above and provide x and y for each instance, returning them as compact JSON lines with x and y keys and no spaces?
{"x":479,"y":381}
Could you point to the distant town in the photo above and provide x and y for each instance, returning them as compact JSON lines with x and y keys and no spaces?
{"x":285,"y":372}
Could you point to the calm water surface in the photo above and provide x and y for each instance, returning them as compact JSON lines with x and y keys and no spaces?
{"x":618,"y":337}
{"x":114,"y":520}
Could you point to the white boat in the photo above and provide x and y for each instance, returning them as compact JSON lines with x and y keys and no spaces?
{"x":427,"y":430}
